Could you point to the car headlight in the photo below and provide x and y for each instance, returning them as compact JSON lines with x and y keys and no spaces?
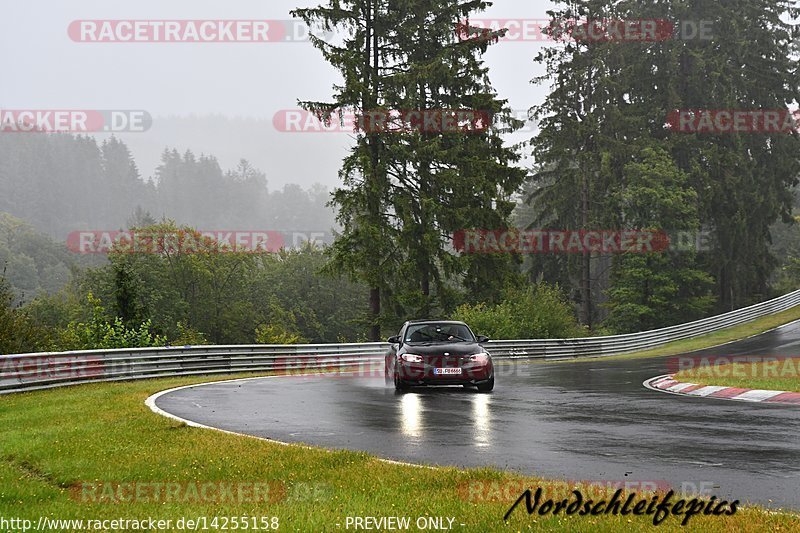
{"x":411,"y":358}
{"x":479,"y":358}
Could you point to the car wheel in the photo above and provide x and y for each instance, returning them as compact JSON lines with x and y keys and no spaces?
{"x":399,"y":384}
{"x":487,"y":386}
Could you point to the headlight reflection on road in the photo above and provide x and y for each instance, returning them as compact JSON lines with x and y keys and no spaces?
{"x":411,"y":412}
{"x":481,"y":419}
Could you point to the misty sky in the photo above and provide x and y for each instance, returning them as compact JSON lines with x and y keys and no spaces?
{"x":181,"y":84}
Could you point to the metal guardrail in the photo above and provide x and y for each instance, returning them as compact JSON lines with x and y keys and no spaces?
{"x":47,"y":370}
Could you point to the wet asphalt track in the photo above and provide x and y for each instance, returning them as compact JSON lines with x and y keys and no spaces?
{"x":590,"y":420}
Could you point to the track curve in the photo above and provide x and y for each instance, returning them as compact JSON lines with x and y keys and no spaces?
{"x":589,"y":420}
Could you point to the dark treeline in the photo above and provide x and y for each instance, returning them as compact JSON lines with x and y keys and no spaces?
{"x":605,"y":158}
{"x":64,"y":183}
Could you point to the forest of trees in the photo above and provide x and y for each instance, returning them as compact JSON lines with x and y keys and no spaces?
{"x":604,"y":159}
{"x":64,"y":183}
{"x":604,"y":155}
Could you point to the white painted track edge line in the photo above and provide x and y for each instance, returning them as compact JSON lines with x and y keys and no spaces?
{"x":150,"y":402}
{"x":708,"y":390}
{"x":758,"y":395}
{"x":648,"y":384}
{"x":681,"y":386}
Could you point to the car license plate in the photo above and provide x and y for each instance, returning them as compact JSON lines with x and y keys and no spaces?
{"x":446,"y":371}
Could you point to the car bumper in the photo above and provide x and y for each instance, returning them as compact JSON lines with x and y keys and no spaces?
{"x":449,"y":381}
{"x":425,"y":375}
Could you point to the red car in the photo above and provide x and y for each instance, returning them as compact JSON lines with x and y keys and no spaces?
{"x":438,"y":352}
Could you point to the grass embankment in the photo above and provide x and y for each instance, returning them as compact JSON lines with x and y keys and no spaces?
{"x":53,"y":442}
{"x":760,"y":325}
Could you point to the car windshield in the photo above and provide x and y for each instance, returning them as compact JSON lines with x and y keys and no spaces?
{"x":438,"y":333}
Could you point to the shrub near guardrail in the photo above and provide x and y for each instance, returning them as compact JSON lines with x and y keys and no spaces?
{"x":537,"y":312}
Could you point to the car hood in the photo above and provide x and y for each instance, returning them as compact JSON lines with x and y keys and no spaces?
{"x":461,"y":348}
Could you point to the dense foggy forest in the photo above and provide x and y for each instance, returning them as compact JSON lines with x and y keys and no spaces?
{"x":65,"y":183}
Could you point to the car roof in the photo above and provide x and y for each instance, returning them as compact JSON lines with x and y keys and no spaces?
{"x":434,"y":321}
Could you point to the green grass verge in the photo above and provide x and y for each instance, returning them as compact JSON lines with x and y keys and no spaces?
{"x":759,"y":325}
{"x":778,"y":374}
{"x":53,"y":442}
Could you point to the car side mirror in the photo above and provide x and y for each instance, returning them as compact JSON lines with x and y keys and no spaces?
{"x":482,"y":339}
{"x":393,"y":340}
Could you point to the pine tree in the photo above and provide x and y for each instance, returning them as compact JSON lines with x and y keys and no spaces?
{"x":583,"y":138}
{"x":363,"y":61}
{"x":121,"y":182}
{"x":664,"y":287}
{"x":407,"y":190}
{"x":447,"y":180}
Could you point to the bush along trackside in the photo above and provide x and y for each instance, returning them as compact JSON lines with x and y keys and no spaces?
{"x":537,"y":312}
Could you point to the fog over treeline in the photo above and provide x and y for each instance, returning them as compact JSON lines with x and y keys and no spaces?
{"x":299,"y":158}
{"x":62,"y":183}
